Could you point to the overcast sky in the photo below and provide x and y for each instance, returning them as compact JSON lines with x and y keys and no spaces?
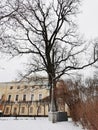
{"x":88,"y":19}
{"x":88,"y":26}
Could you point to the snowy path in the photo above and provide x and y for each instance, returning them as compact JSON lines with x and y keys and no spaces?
{"x":38,"y":124}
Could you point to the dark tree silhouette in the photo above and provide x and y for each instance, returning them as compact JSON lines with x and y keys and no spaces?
{"x":46,"y":31}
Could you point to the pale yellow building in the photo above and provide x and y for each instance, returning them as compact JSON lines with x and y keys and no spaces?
{"x":25,"y":98}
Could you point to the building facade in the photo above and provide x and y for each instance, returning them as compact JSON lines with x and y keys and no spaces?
{"x":26,"y":98}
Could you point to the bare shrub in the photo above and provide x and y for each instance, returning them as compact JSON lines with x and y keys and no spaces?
{"x":83,"y":104}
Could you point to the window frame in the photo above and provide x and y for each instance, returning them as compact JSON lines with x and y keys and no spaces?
{"x":17,"y":98}
{"x":18,"y":87}
{"x":32,"y":97}
{"x":31,"y":110}
{"x":7,"y":110}
{"x":23,"y":110}
{"x":24,"y":97}
{"x":9,"y":97}
{"x":40,"y":96}
{"x":11,"y":87}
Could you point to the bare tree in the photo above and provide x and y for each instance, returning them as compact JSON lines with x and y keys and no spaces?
{"x":46,"y":31}
{"x":5,"y":13}
{"x":96,"y":65}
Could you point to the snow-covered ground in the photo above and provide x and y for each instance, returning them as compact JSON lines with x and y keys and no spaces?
{"x":38,"y":124}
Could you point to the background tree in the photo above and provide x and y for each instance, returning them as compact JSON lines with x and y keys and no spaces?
{"x":46,"y":31}
{"x":96,"y":65}
{"x":80,"y":98}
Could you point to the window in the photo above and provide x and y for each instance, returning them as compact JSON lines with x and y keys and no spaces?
{"x":17,"y":97}
{"x":24,"y":97}
{"x":9,"y":98}
{"x":33,"y":87}
{"x":11,"y":87}
{"x":7,"y":110}
{"x":18,"y":87}
{"x":31,"y":109}
{"x":40,"y":96}
{"x":25,"y":86}
{"x":22,"y":109}
{"x":39,"y":109}
{"x":32,"y":97}
{"x":15,"y":111}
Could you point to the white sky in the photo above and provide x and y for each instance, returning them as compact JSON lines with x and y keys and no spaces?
{"x":88,"y":19}
{"x":88,"y":26}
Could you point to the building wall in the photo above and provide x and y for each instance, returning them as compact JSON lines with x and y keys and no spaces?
{"x":22,"y":98}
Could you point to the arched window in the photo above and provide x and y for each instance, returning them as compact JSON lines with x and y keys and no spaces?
{"x":39,"y":109}
{"x":22,"y":109}
{"x":31,"y":109}
{"x":40,"y":96}
{"x":15,"y":111}
{"x":9,"y":98}
{"x":32,"y":97}
{"x":7,"y":110}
